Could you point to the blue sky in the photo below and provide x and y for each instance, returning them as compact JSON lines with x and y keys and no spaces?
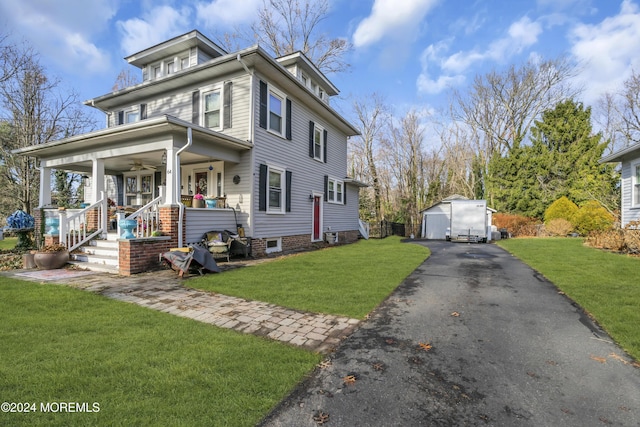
{"x":409,"y":51}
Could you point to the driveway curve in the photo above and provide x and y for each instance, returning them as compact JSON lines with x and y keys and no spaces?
{"x":472,"y":337}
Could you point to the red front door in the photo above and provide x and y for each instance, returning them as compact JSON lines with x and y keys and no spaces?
{"x":316,"y":217}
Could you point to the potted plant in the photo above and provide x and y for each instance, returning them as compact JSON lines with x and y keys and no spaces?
{"x":198,"y":201}
{"x":50,"y":257}
{"x":210,"y":201}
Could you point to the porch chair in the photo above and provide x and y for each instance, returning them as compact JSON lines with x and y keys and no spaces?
{"x":218,"y":243}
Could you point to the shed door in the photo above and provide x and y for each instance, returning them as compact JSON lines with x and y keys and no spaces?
{"x":436,"y":225}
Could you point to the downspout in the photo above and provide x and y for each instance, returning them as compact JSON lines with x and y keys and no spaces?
{"x":177,"y":190}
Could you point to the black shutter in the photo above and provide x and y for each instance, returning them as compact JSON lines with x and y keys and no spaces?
{"x":195,"y":107}
{"x":344,"y":193}
{"x":287,"y":202}
{"x":312,"y":127}
{"x":263,"y":104}
{"x":226,"y":123}
{"x":262,"y":189}
{"x":326,"y":188}
{"x":325,"y":137}
{"x":143,"y":111}
{"x":288,"y":132}
{"x":157,"y":177}
{"x":120,"y":190}
{"x":120,"y":117}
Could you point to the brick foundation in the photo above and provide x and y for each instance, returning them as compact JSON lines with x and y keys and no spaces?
{"x":300,"y":242}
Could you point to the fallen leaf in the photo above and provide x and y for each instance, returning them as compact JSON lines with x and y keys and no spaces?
{"x":425,"y":346}
{"x":455,"y":314}
{"x":598,"y":359}
{"x":551,"y":362}
{"x":324,"y":364}
{"x":378,"y":366}
{"x":635,"y":365}
{"x":349,"y":379}
{"x":619,"y":358}
{"x":320,"y":418}
{"x":532,"y":374}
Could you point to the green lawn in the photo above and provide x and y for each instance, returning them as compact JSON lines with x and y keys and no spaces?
{"x":349,"y":280}
{"x":8,"y":243}
{"x":605,"y":284}
{"x":142,"y":367}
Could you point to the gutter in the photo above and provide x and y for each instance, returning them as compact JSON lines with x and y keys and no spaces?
{"x":177,"y":189}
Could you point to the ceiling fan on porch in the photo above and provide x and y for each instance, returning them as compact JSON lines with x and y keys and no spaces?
{"x":138,"y":165}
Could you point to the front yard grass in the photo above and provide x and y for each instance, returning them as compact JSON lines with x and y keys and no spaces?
{"x":8,"y":243}
{"x":349,"y":280}
{"x":142,"y":367}
{"x":607,"y":285}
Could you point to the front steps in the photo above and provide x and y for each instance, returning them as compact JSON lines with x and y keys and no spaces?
{"x":98,"y":255}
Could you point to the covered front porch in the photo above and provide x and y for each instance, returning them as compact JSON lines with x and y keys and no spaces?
{"x":147,"y":173}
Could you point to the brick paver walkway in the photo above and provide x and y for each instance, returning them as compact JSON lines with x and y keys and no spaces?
{"x":164,"y":291}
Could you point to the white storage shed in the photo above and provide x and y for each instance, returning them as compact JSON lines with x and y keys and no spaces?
{"x":436,"y":219}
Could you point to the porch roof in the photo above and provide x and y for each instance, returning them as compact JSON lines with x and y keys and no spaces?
{"x":125,"y":137}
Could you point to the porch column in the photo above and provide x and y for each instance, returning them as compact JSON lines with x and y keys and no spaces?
{"x":172,"y":195}
{"x":45,"y":187}
{"x":97,"y":178}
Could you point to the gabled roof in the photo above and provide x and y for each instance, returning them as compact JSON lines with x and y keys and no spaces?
{"x":631,"y":152}
{"x":174,"y":46}
{"x":300,"y":59}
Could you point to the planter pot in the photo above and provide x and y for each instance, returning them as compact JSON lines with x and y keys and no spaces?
{"x":211,"y":203}
{"x":50,"y":260}
{"x":53,"y":224}
{"x":28,"y":261}
{"x":127,"y":226}
{"x":199,"y":203}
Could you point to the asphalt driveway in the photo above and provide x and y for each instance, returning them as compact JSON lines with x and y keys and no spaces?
{"x":471,"y":337}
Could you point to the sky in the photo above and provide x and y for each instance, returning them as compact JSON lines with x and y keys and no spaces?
{"x":411,"y":52}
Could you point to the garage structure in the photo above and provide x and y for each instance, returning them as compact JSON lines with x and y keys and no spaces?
{"x":436,"y":219}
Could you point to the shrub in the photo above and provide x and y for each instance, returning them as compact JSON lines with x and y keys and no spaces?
{"x":517,"y":225}
{"x":612,"y":240}
{"x":592,"y":216}
{"x":558,"y":227}
{"x":561,"y":208}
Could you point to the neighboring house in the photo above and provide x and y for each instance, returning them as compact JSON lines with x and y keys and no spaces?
{"x":254,"y":132}
{"x":630,"y":182}
{"x":436,"y":219}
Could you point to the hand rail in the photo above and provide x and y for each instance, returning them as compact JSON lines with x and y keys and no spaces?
{"x":148,"y":217}
{"x":74,"y":230}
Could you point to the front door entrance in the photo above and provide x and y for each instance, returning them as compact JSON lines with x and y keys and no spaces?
{"x":317,"y":218}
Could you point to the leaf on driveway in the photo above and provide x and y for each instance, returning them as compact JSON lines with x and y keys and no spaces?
{"x":378,"y":366}
{"x":324,"y":364}
{"x":618,"y":358}
{"x":599,"y":359}
{"x":455,"y":314}
{"x":321,"y":418}
{"x":425,"y":346}
{"x":349,"y":379}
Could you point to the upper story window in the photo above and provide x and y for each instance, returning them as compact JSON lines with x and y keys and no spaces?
{"x":156,"y":72}
{"x":276,"y":104}
{"x":184,"y":62}
{"x":318,"y":143}
{"x":212,"y":109}
{"x":170,"y":67}
{"x":636,"y":184}
{"x":132,"y":116}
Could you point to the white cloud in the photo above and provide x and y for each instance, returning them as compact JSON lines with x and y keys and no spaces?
{"x":226,"y":13}
{"x":520,"y":35}
{"x":62,"y":29}
{"x":608,"y":51}
{"x":156,"y":25}
{"x":391,"y":18}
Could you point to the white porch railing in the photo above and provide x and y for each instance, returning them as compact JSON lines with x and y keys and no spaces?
{"x":74,"y":229}
{"x":148,"y":217}
{"x":364,"y":228}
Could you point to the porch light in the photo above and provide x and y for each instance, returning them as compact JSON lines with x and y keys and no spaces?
{"x":311,"y":197}
{"x":86,"y":180}
{"x":164,"y":158}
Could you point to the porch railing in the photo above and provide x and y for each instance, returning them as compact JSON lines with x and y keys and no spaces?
{"x":147,"y":217}
{"x":79,"y":228}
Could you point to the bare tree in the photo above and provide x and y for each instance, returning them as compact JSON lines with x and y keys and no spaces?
{"x":125,"y":79}
{"x":629,"y":110}
{"x":372,"y":118}
{"x":288,"y":26}
{"x":35,"y":111}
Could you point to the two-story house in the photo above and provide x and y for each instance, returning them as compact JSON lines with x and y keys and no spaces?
{"x":253,"y":132}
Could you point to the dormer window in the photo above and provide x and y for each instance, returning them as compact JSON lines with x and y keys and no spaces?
{"x":132,"y":116}
{"x":157,"y":72}
{"x":305,"y":80}
{"x":184,"y":62}
{"x":171,"y":67}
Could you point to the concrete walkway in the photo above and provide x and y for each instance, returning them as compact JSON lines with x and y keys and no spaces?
{"x":164,"y":291}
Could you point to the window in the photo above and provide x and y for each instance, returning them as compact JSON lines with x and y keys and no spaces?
{"x":305,"y":80}
{"x":273,"y":245}
{"x":184,"y":63}
{"x":318,"y":144}
{"x":636,"y":185}
{"x":275,"y":112}
{"x":157,"y":71}
{"x":275,"y":190}
{"x":335,"y":190}
{"x":132,"y":116}
{"x":212,"y":109}
{"x":171,"y":67}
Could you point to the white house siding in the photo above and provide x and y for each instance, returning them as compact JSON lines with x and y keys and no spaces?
{"x":239,"y":195}
{"x":628,"y":212}
{"x":307,"y":174}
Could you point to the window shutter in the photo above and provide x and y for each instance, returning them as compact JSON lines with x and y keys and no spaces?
{"x":288,"y":119}
{"x":326,"y":188}
{"x":344,"y":193}
{"x":263,"y":104}
{"x":226,"y":123}
{"x":262,"y":189}
{"x":157,"y":176}
{"x":120,"y":117}
{"x":120,"y":189}
{"x":311,"y":129}
{"x":325,"y":136}
{"x":287,"y":202}
{"x":143,"y":111}
{"x":195,"y":107}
